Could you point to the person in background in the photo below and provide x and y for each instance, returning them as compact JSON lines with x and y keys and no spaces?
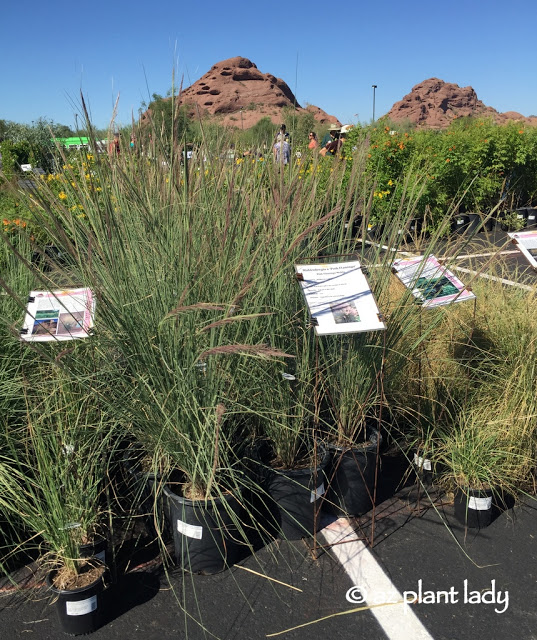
{"x":345,"y":130}
{"x":282,"y":150}
{"x":113,"y":147}
{"x":331,"y":143}
{"x":313,"y":142}
{"x":282,"y":134}
{"x":329,"y":136}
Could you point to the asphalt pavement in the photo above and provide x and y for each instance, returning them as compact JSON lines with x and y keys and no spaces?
{"x":456,"y":584}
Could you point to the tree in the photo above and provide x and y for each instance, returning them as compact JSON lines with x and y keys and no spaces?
{"x":168,"y":116}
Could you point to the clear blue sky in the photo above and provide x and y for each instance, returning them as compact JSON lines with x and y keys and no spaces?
{"x":329,"y":55}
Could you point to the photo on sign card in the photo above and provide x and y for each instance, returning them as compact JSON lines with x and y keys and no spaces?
{"x":47,"y":326}
{"x":344,"y":312}
{"x":71,"y":323}
{"x":42,"y":314}
{"x":431,"y":288}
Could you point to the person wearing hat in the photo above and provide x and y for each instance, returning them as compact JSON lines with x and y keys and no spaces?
{"x":328,"y":137}
{"x":334,"y":143}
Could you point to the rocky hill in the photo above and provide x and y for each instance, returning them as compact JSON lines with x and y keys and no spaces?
{"x":434,"y":103}
{"x":236,"y":93}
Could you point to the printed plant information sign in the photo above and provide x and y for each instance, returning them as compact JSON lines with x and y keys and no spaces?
{"x":526,"y":242}
{"x":430,"y":282}
{"x":58,"y":315}
{"x":339,"y":298}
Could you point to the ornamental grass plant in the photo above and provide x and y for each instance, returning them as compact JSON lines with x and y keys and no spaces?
{"x":202,"y":343}
{"x":54,"y":472}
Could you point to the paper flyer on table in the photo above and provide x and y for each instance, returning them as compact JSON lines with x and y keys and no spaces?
{"x":430,"y":282}
{"x":58,"y":315}
{"x":339,"y":298}
{"x":526,"y":242}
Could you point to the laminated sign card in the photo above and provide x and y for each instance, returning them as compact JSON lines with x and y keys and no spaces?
{"x":526,"y":242}
{"x":58,"y":315}
{"x":430,"y":282}
{"x":339,"y":298}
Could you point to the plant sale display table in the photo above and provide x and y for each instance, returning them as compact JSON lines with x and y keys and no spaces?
{"x":339,"y":298}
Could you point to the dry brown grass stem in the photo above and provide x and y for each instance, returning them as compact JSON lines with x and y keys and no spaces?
{"x":199,"y":306}
{"x":224,"y":321}
{"x":254,"y":349}
{"x":306,"y":232}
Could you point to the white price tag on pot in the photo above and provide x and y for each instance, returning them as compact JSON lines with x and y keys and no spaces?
{"x":479,"y":504}
{"x":81,"y":607}
{"x":315,"y":495}
{"x":422,"y":463}
{"x":189,"y":530}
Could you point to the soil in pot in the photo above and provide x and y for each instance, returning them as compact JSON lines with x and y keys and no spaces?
{"x":473,"y":507}
{"x":80,"y":603}
{"x":205,"y":532}
{"x":351,"y":478}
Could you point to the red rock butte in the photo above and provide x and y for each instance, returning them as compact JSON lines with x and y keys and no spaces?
{"x":434,"y":103}
{"x":236,"y":93}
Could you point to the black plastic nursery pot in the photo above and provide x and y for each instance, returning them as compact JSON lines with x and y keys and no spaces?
{"x":49,"y":256}
{"x":531,"y":220}
{"x":375,"y":231}
{"x":473,"y":507}
{"x":415,"y":226}
{"x":488,"y":223}
{"x":97,"y":549}
{"x":460,"y":223}
{"x":415,"y":229}
{"x":521,"y":217}
{"x":423,"y":467}
{"x":297,"y":495}
{"x":204,"y":532}
{"x":139,"y":487}
{"x":351,"y":479}
{"x":80,"y":611}
{"x":475,"y":223}
{"x":355,"y":226}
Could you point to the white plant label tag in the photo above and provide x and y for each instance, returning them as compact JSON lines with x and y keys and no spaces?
{"x":479,"y":504}
{"x":288,"y":376}
{"x":189,"y":530}
{"x":315,"y":495}
{"x":81,"y":607}
{"x":422,"y":462}
{"x":101,"y":555}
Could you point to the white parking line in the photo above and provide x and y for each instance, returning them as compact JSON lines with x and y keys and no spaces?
{"x":482,"y":255}
{"x":511,"y":283}
{"x":396,"y":618}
